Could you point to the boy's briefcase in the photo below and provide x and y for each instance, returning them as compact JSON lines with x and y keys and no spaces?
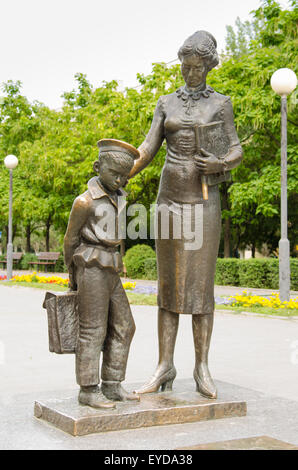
{"x":62,"y":310}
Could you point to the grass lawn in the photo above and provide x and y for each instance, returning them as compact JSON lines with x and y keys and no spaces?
{"x":36,"y":285}
{"x":141,"y":299}
{"x":279,"y":312}
{"x":136,"y":299}
{"x":151,"y":299}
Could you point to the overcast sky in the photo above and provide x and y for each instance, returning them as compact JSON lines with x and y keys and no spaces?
{"x":44,"y":43}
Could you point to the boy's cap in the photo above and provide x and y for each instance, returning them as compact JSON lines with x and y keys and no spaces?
{"x":114,"y":145}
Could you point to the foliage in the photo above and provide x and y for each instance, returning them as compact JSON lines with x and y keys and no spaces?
{"x":227,"y":272}
{"x":238,"y":42}
{"x":56,"y":149}
{"x":253,"y":273}
{"x":26,"y":258}
{"x":60,"y":266}
{"x":135,"y":259}
{"x":254,"y":197}
{"x":150,"y":268}
{"x":257,"y":273}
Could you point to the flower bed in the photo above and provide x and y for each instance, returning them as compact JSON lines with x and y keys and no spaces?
{"x":273,"y":301}
{"x":129,"y":285}
{"x":34,"y":277}
{"x":239,"y":300}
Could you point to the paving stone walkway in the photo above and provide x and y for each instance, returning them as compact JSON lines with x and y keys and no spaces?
{"x":252,"y":358}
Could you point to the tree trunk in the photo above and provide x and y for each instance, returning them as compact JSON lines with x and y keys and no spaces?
{"x":28,"y":238}
{"x":227,"y":223}
{"x":48,"y":225}
{"x":14,"y":230}
{"x":253,"y":250}
{"x":4,"y":239}
{"x":227,"y":238}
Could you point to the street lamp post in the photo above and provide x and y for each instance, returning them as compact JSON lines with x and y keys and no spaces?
{"x":10,"y":162}
{"x":283,"y":82}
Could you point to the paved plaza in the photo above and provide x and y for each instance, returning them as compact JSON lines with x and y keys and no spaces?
{"x":252,"y":358}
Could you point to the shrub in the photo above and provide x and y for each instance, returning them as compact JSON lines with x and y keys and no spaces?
{"x":253,"y":273}
{"x":24,"y":263}
{"x":272,"y":278}
{"x":60,"y":266}
{"x":140,"y":262}
{"x":257,"y":273}
{"x":135,"y":258}
{"x":294,"y":273}
{"x":227,"y":272}
{"x":150,"y":268}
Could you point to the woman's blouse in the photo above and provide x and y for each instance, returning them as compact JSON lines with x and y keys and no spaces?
{"x":175,"y":119}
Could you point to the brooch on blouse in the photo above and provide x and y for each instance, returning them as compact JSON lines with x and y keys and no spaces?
{"x":189,"y":97}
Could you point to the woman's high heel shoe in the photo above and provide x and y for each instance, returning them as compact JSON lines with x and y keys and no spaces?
{"x":205,"y":385}
{"x":164,"y":381}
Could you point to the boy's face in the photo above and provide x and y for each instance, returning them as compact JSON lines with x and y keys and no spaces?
{"x":112,"y":175}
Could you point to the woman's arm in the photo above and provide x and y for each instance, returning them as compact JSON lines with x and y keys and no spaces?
{"x":149,"y":148}
{"x":210,"y":163}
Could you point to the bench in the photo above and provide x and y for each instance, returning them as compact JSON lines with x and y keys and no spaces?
{"x":46,"y":259}
{"x":16,"y":258}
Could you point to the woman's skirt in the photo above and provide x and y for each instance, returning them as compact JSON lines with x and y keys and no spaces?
{"x":186,"y":266}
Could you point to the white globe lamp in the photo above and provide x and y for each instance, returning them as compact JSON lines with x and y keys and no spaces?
{"x":283,"y":81}
{"x":11,"y":162}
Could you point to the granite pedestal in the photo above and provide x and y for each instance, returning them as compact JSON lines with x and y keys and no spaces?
{"x":156,"y":409}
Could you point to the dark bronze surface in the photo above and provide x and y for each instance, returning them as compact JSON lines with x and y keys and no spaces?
{"x":247,"y":443}
{"x":63,"y":321}
{"x":153,"y":410}
{"x":102,"y":319}
{"x":202,"y":147}
{"x":203,"y":177}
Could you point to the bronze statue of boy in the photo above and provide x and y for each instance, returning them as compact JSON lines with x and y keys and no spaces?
{"x":91,"y":255}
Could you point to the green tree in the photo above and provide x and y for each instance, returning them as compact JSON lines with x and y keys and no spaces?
{"x":20,"y":124}
{"x":239,"y":39}
{"x":57,"y":149}
{"x":254,"y":198}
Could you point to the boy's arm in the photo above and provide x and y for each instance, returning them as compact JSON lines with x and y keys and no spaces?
{"x":77,"y":218}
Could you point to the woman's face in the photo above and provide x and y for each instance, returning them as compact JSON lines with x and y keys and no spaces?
{"x":194,"y":70}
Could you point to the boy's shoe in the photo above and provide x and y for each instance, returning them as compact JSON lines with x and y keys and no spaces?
{"x":114,"y":391}
{"x":92,"y":396}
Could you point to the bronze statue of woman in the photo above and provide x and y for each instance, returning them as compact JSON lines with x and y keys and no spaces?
{"x":190,"y":119}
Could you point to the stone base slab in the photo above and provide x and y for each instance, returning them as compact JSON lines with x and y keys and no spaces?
{"x":154,"y":409}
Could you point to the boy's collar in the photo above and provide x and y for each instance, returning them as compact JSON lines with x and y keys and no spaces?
{"x":97,"y":191}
